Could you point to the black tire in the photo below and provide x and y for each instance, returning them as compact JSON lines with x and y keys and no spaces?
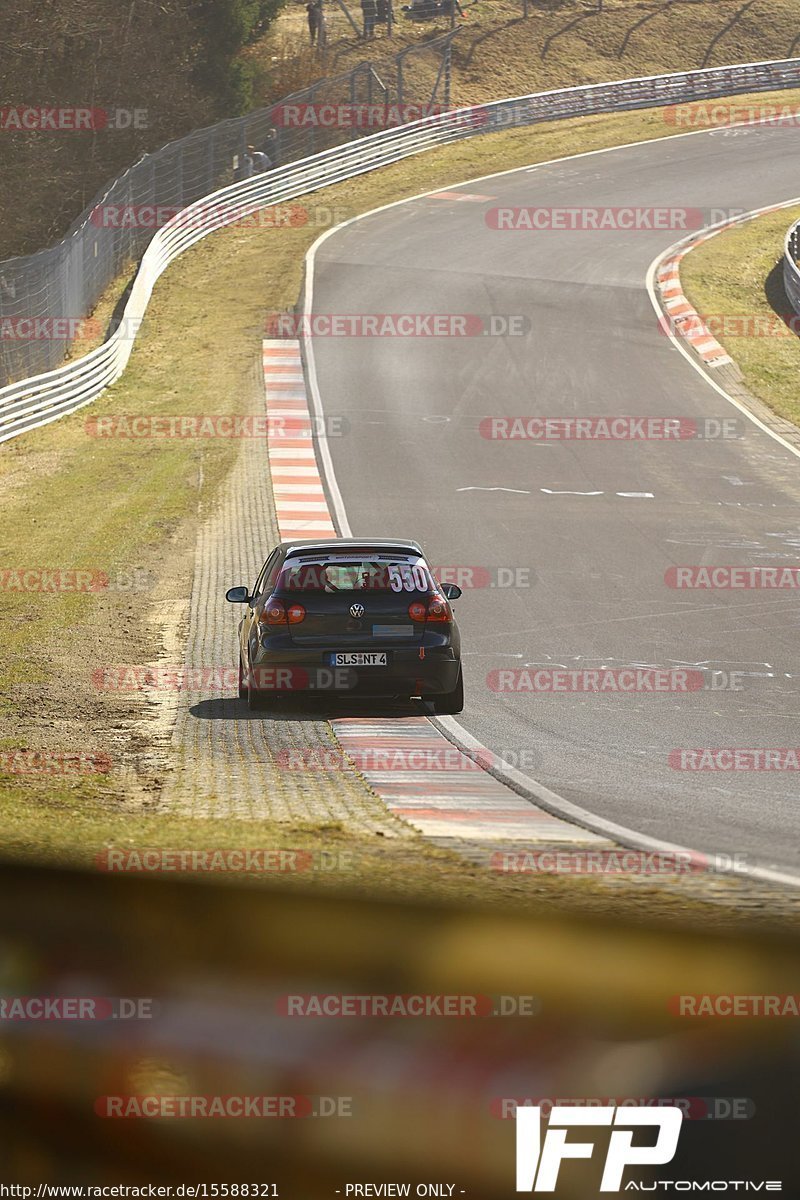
{"x":242,"y":681}
{"x":450,"y":702}
{"x":255,"y":698}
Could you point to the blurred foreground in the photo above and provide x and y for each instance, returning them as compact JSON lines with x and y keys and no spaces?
{"x":211,"y":999}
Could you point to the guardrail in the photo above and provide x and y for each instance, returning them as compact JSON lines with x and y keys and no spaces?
{"x":43,"y":398}
{"x":791,"y":270}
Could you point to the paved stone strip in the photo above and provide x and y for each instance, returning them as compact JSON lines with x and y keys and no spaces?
{"x":230,"y":763}
{"x":421,"y":776}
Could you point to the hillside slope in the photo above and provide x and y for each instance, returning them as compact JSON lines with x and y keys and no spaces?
{"x":498,"y":53}
{"x":164,"y":63}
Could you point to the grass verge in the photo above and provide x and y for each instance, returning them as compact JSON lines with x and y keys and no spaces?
{"x":59,"y":827}
{"x":739,"y":274}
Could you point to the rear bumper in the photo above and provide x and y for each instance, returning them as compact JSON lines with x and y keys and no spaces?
{"x":412,"y":671}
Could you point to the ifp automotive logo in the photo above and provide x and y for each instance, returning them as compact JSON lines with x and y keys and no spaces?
{"x":538,"y":1163}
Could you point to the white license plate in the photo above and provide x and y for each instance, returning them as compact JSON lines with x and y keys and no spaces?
{"x":361,"y":658}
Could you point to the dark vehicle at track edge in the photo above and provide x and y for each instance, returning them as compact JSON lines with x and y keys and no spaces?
{"x":349,"y":617}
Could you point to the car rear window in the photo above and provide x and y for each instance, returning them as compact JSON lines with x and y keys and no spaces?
{"x":380,"y":574}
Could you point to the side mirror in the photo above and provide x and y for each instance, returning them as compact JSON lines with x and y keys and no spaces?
{"x":451,"y":590}
{"x":237,"y":595}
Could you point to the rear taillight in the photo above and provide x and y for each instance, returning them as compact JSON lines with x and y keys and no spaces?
{"x":275,"y":612}
{"x":437,"y":609}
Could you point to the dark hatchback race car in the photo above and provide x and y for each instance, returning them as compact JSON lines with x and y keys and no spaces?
{"x":349,"y":618}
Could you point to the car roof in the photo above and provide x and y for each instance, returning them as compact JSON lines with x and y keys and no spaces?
{"x":331,"y":545}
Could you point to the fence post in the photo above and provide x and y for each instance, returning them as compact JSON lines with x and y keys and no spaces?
{"x":210,"y":158}
{"x":353,"y":102}
{"x":448,"y":62}
{"x":310,"y":149}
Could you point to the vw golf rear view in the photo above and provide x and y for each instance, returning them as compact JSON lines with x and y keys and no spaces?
{"x":349,"y":618}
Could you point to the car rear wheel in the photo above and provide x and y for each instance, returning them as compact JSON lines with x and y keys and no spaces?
{"x":256,"y":699}
{"x":450,"y":702}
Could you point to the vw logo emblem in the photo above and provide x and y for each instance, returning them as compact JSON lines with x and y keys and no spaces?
{"x":356,"y":610}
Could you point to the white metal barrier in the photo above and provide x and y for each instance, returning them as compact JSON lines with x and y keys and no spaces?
{"x":791,"y":271}
{"x":43,"y":398}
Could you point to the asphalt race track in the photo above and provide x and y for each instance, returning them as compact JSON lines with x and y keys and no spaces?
{"x":597,"y":595}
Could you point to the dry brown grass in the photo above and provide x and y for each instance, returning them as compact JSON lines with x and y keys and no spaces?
{"x":497,"y":53}
{"x":738,"y":274}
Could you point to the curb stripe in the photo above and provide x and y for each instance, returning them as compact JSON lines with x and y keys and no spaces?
{"x":689,"y":325}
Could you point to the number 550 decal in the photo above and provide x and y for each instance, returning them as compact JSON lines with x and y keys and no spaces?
{"x":412,"y":579}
